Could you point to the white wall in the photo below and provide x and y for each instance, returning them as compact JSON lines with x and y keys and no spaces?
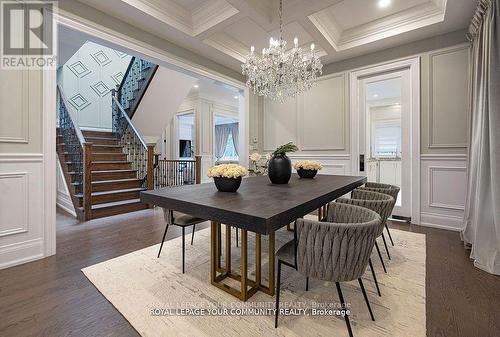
{"x":204,"y":107}
{"x":318,"y":123}
{"x":24,"y":186}
{"x":161,"y":102}
{"x":87,"y":79}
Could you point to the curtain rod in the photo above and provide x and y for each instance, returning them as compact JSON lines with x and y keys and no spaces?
{"x":477,"y":19}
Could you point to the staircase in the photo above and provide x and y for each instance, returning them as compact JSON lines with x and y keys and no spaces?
{"x":115,"y":186}
{"x":106,"y":171}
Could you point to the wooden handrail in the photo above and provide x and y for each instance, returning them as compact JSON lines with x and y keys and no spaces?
{"x":78,"y":132}
{"x":125,"y":76}
{"x":127,"y":118}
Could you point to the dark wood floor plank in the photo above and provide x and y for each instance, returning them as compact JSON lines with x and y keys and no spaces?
{"x":52,"y":297}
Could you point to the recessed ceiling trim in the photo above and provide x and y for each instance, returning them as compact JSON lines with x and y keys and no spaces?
{"x":228,"y":45}
{"x":194,"y":22}
{"x":402,"y":22}
{"x":211,"y":14}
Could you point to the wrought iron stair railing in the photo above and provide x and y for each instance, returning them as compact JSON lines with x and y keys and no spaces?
{"x":140,"y":154}
{"x":77,"y":152}
{"x":177,"y":172}
{"x":135,"y":83}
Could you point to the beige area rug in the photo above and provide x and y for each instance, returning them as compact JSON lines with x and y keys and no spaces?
{"x":141,"y":286}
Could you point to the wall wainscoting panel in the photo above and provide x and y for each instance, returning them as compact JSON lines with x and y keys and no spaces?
{"x":443,"y":188}
{"x":316,"y":120}
{"x":21,"y":208}
{"x":332,"y":163}
{"x":63,"y":198}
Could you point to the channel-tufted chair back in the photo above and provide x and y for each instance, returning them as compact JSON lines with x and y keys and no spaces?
{"x":377,"y":202}
{"x":337,"y":250}
{"x":391,"y":190}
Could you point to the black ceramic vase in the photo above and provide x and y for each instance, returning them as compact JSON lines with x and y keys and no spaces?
{"x":306,"y":173}
{"x":279,"y":169}
{"x":224,"y":184}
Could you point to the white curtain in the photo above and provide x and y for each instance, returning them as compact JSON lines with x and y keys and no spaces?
{"x":221,"y":136}
{"x":235,"y":133}
{"x":481,"y":229}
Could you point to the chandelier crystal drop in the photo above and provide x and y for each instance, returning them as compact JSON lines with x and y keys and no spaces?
{"x":280,"y":73}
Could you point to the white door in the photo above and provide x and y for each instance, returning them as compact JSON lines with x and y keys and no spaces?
{"x":384,"y":133}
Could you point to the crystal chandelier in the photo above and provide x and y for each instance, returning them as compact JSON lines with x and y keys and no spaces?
{"x":278,"y":73}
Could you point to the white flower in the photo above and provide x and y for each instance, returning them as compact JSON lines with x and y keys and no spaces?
{"x":269,"y":156}
{"x":227,"y":171}
{"x":255,"y":156}
{"x":307,"y":165}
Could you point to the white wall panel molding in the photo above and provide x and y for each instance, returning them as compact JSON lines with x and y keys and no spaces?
{"x":447,"y":222}
{"x":15,"y":98}
{"x":444,"y":157}
{"x":443,"y":111}
{"x":22,"y":213}
{"x":323,"y":115}
{"x":14,"y":218}
{"x":453,"y":198}
{"x":443,"y":190}
{"x":21,"y":252}
{"x":336,"y":164}
{"x":21,"y":157}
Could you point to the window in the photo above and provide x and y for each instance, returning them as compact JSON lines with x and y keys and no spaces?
{"x":230,"y":152}
{"x":386,"y":139}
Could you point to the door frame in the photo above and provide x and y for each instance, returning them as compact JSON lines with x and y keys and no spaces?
{"x":413,"y":65}
{"x":49,"y":95}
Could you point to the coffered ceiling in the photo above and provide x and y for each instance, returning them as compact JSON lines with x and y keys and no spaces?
{"x":224,"y":30}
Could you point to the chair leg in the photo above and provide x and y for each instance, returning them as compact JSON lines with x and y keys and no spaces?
{"x":163,"y":240}
{"x":380,"y":256}
{"x":346,"y":317}
{"x":237,"y":236}
{"x":374,"y":277}
{"x":192,"y":234}
{"x":183,"y":248}
{"x":388,"y":232}
{"x":385,"y":244}
{"x":307,"y":283}
{"x":366,"y":298}
{"x":278,"y":286}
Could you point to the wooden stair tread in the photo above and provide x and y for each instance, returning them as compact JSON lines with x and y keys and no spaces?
{"x":135,"y":189}
{"x":118,"y":203}
{"x":111,"y":181}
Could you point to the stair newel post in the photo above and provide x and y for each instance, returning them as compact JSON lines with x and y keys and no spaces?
{"x":198,"y":169}
{"x":87,"y":180}
{"x":150,"y":167}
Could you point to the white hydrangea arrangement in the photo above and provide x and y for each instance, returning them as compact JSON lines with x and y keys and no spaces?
{"x":255,"y":157}
{"x":307,"y":165}
{"x":227,"y":171}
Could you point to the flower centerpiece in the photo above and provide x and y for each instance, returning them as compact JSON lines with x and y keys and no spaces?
{"x":307,"y":168}
{"x":258,"y":164}
{"x":227,"y":177}
{"x":280,"y":166}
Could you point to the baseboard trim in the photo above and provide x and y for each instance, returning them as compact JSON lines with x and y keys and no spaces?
{"x":440,"y":221}
{"x":64,"y":202}
{"x":22,"y":252}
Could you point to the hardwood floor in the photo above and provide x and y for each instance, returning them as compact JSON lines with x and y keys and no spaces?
{"x":52,"y":297}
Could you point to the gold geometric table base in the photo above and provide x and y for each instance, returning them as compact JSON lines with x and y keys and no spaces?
{"x":248,"y":287}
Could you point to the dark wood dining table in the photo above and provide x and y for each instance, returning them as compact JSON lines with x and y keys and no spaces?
{"x":258,"y":206}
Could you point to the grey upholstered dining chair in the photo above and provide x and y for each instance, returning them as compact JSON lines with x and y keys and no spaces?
{"x":380,"y":203}
{"x":335,"y":250}
{"x":391,"y":190}
{"x":182,"y":220}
